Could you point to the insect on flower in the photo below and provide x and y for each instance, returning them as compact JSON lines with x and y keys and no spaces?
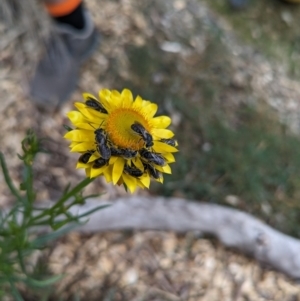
{"x":119,"y":137}
{"x":100,"y":162}
{"x":139,"y":129}
{"x":102,"y":144}
{"x":123,"y":152}
{"x":133,"y":171}
{"x":171,"y":142}
{"x":153,"y":172}
{"x":95,"y":104}
{"x":152,"y":157}
{"x":84,"y":158}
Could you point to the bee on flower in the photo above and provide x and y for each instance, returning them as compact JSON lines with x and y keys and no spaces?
{"x":120,"y":138}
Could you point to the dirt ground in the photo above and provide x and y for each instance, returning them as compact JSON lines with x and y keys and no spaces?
{"x":150,"y":265}
{"x":162,"y":266}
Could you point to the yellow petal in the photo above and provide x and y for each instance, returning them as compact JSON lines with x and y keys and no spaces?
{"x":79,"y":105}
{"x":161,"y":147}
{"x":83,"y":147}
{"x":91,"y":115}
{"x":80,"y":135}
{"x":150,"y":109}
{"x":112,"y":160}
{"x":161,"y":122}
{"x":86,"y":96}
{"x":95,"y":172}
{"x":76,"y":117}
{"x":127,"y":98}
{"x":73,"y":143}
{"x":160,"y":180}
{"x":165,"y":169}
{"x":86,"y":125}
{"x":118,"y":168}
{"x":145,"y":180}
{"x":94,"y":157}
{"x":108,"y":173}
{"x":140,"y":185}
{"x":162,"y":133}
{"x":88,"y":172}
{"x":145,"y":103}
{"x":104,"y":96}
{"x":116,"y":99}
{"x":138,"y":102}
{"x":82,"y":165}
{"x":130,"y":182}
{"x":138,"y":163}
{"x":115,"y":93}
{"x":169,"y":157}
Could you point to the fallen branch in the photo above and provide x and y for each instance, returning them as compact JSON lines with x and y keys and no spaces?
{"x":232,"y":227}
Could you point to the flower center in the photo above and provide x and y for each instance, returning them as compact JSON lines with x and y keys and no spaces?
{"x":118,"y":128}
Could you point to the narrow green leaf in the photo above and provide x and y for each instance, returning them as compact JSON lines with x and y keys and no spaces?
{"x":92,"y":196}
{"x":60,"y":224}
{"x":93,"y":210}
{"x":8,"y":180}
{"x":77,"y":189}
{"x":14,"y":291}
{"x":66,"y":190}
{"x":42,"y":240}
{"x":43,"y":283}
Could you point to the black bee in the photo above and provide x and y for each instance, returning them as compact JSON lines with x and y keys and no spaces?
{"x":153,"y":172}
{"x":151,"y":157}
{"x":84,"y":158}
{"x":133,"y":171}
{"x":171,"y":142}
{"x":101,"y":141}
{"x":139,"y":129}
{"x":122,"y":152}
{"x":95,"y":104}
{"x":99,"y":163}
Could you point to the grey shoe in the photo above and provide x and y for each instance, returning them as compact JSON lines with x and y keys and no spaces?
{"x":81,"y":43}
{"x":55,"y":77}
{"x":57,"y":73}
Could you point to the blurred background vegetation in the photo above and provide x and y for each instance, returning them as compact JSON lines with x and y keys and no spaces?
{"x":233,"y":149}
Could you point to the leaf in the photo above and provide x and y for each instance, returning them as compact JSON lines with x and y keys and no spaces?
{"x":8,"y":179}
{"x":14,"y":291}
{"x":93,"y":210}
{"x":43,"y":283}
{"x":42,"y":240}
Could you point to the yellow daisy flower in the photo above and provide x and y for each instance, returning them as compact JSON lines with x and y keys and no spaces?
{"x":119,"y":137}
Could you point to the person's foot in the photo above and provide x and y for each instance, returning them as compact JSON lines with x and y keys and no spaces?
{"x":81,"y":43}
{"x":57,"y":73}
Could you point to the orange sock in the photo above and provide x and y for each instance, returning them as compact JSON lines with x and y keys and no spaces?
{"x":62,"y":8}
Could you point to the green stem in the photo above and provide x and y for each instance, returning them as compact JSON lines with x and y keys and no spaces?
{"x":21,"y":261}
{"x":63,"y":199}
{"x":15,"y":292}
{"x":29,"y":184}
{"x":8,"y":180}
{"x":78,"y":188}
